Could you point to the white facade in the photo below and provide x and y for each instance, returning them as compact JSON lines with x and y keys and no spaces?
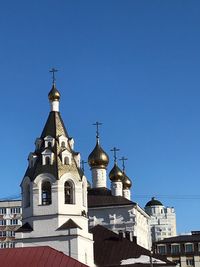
{"x":54,"y":194}
{"x":162,"y":221}
{"x":125,"y":218}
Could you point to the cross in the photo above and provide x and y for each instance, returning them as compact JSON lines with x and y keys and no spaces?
{"x":123,"y":165}
{"x":115,"y":153}
{"x":83,"y":165}
{"x":53,"y":70}
{"x":97,"y":124}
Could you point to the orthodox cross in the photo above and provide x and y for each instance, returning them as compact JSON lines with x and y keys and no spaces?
{"x":115,"y":153}
{"x":123,"y":164}
{"x":53,"y":70}
{"x":97,"y":124}
{"x":83,"y":165}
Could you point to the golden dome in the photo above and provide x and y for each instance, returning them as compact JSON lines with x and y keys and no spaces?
{"x":116,"y":175}
{"x":98,"y":157}
{"x":54,"y":94}
{"x":126,"y":182}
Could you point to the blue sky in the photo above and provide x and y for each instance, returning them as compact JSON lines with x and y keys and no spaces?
{"x":133,"y":65}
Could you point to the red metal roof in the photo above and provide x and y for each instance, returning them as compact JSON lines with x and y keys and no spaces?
{"x":36,"y":257}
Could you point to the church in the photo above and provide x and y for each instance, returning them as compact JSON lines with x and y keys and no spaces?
{"x":59,"y":206}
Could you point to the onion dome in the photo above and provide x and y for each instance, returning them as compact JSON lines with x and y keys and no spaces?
{"x":98,"y":157}
{"x":126,"y":182}
{"x":116,"y":175}
{"x":54,"y":94}
{"x":153,"y":202}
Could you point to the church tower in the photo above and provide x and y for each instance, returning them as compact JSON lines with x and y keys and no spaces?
{"x":54,"y":193}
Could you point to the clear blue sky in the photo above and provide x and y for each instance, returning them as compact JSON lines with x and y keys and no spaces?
{"x":133,"y":65}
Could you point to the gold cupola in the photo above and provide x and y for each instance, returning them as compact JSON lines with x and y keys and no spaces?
{"x":98,"y":157}
{"x":126,"y":182}
{"x":54,"y":94}
{"x":116,"y":174}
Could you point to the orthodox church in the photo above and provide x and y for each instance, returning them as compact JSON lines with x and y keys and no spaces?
{"x":58,"y":206}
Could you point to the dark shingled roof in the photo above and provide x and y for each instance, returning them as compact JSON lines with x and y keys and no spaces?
{"x":154,"y":202}
{"x":54,"y":127}
{"x":110,"y":249}
{"x":36,"y":256}
{"x":25,"y":228}
{"x":102,"y":197}
{"x":70,"y":224}
{"x":180,"y":239}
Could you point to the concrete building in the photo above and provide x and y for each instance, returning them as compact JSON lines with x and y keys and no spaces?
{"x":10,"y":221}
{"x":183,"y":250}
{"x":162,"y":220}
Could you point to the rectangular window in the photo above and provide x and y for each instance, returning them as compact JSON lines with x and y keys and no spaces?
{"x":14,"y":222}
{"x":175,"y":249}
{"x":2,"y":211}
{"x":190,"y":262}
{"x":189,"y":248}
{"x":2,"y":233}
{"x":2,"y":222}
{"x":16,"y":210}
{"x":161,"y":249}
{"x":10,"y":233}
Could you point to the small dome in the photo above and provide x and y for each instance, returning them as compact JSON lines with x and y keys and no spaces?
{"x":98,"y":157}
{"x":54,"y":94}
{"x":153,"y":202}
{"x":116,"y":175}
{"x":126,"y":182}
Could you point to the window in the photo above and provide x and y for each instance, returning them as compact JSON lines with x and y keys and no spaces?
{"x":2,"y":233}
{"x":66,"y":160}
{"x":68,"y":191}
{"x":14,"y":222}
{"x":49,"y":144}
{"x":175,"y":248}
{"x":3,"y":211}
{"x":190,"y":262}
{"x":46,"y":193}
{"x":47,"y":160}
{"x":26,"y":199}
{"x":62,"y":144}
{"x":176,"y":261}
{"x":10,"y":233}
{"x":2,"y":222}
{"x":161,"y":249}
{"x":189,"y":248}
{"x":16,"y":210}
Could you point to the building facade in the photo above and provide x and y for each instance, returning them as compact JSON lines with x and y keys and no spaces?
{"x":183,"y":249}
{"x":162,"y":220}
{"x":10,"y":221}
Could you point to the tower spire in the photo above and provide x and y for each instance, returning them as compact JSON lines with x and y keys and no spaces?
{"x":53,"y":70}
{"x":54,"y":95}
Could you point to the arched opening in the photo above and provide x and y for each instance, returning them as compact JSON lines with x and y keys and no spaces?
{"x":27,"y":196}
{"x":68,"y":191}
{"x":49,"y":144}
{"x":47,"y":160}
{"x":63,"y":144}
{"x":66,"y":160}
{"x":46,"y":193}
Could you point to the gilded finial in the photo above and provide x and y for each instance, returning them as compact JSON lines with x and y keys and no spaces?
{"x":83,"y":165}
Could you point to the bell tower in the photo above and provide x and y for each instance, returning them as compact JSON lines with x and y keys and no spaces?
{"x":54,"y":192}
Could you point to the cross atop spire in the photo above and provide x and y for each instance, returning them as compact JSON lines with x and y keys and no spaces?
{"x":97,"y":124}
{"x":123,"y":163}
{"x":115,"y":153}
{"x":53,"y":70}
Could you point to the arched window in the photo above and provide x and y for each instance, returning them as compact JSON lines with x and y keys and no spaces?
{"x":66,"y":160}
{"x":46,"y":193}
{"x":68,"y":191}
{"x":49,"y":144}
{"x":47,"y":160}
{"x":62,"y":144}
{"x":27,"y":196}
